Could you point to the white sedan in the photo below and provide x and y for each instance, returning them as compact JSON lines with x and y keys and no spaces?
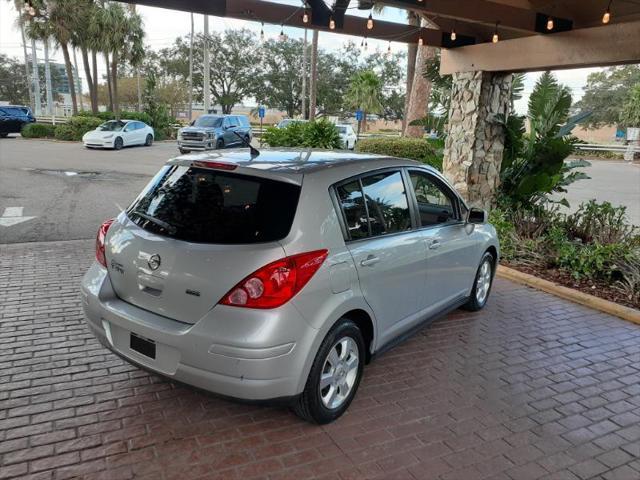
{"x":347,"y":136}
{"x":119,"y":133}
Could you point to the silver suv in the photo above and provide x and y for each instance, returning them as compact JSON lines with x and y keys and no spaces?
{"x":280,"y":276}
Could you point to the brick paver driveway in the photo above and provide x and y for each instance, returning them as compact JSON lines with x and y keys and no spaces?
{"x":531,"y":387}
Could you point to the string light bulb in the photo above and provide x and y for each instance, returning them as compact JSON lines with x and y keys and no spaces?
{"x":305,"y":16}
{"x":606,"y":18}
{"x":370,"y":22}
{"x":366,"y":45}
{"x":495,"y":38}
{"x":420,"y":41}
{"x":453,"y":35}
{"x":262,"y":31}
{"x":550,"y":23}
{"x":332,"y":23}
{"x":281,"y":37}
{"x":389,"y":50}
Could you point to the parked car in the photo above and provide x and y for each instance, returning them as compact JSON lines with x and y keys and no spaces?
{"x":13,"y":118}
{"x":285,"y":122}
{"x":347,"y":136}
{"x":214,"y":131}
{"x":279,"y":278}
{"x":119,"y":133}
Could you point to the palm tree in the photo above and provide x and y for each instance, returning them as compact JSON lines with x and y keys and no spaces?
{"x":85,"y":37}
{"x":364,"y":93}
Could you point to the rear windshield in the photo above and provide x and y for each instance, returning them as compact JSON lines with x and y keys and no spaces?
{"x":15,"y":110}
{"x":209,"y":206}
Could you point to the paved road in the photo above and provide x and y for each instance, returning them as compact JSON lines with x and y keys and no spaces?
{"x":70,"y":190}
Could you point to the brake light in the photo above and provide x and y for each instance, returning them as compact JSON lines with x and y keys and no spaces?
{"x":102,"y":232}
{"x":276,"y":283}
{"x":216,"y":165}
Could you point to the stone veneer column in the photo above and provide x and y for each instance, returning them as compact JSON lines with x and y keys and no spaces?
{"x":475,"y":141}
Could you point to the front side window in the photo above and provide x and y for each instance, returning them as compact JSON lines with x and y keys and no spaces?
{"x":436,"y":205}
{"x":112,"y":126}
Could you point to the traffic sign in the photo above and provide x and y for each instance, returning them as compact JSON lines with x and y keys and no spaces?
{"x":359,"y":115}
{"x":261,"y":112}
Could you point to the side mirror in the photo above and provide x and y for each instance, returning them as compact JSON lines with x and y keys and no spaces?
{"x":192,"y":123}
{"x":476,"y":215}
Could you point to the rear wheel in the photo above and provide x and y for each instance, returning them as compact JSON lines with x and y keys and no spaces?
{"x":149,"y":140}
{"x":335,"y":375}
{"x":118,"y":143}
{"x":482,"y":284}
{"x":220,"y":144}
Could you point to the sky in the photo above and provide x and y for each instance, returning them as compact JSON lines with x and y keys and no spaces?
{"x":163,"y":26}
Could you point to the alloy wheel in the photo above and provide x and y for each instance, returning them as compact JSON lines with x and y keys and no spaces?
{"x":339,"y":373}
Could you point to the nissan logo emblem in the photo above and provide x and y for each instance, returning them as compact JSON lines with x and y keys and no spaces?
{"x":154,"y":262}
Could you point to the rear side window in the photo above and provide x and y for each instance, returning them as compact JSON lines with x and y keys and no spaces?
{"x":375,"y":205}
{"x":209,"y":206}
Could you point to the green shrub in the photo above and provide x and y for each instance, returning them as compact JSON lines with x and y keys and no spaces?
{"x":76,"y":127}
{"x":318,"y":134}
{"x":38,"y":130}
{"x":124,"y":115}
{"x":600,"y":223}
{"x":413,"y":148}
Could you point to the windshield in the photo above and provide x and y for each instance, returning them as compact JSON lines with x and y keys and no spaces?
{"x":209,"y":206}
{"x":112,"y":126}
{"x":15,"y":110}
{"x":342,"y":129}
{"x":207,"y":121}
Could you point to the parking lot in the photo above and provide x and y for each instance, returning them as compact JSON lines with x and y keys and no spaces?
{"x":531,"y":387}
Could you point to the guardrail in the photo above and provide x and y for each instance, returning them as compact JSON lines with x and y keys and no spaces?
{"x":53,"y":120}
{"x":608,"y":148}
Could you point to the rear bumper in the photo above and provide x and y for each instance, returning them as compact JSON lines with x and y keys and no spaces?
{"x":231,"y":351}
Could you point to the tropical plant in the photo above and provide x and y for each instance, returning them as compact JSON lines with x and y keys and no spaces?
{"x":630,"y":114}
{"x":364,"y":93}
{"x":533,"y":165}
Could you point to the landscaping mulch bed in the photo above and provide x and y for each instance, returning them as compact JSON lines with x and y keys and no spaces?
{"x":597,"y":288}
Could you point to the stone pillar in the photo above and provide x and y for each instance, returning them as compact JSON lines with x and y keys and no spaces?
{"x":475,"y":141}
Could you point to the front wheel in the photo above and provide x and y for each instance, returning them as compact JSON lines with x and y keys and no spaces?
{"x":148,"y":141}
{"x":335,"y":375}
{"x":184,"y":150}
{"x":118,"y":143}
{"x":220,"y":144}
{"x":482,"y":284}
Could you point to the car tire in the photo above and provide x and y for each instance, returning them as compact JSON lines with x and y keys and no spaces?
{"x":220,"y":144}
{"x":482,"y":284}
{"x":118,"y":143}
{"x":184,"y":150}
{"x":247,"y":140}
{"x":343,"y":345}
{"x":148,"y":141}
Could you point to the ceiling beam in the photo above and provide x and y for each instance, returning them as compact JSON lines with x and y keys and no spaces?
{"x":615,"y":44}
{"x":287,"y":15}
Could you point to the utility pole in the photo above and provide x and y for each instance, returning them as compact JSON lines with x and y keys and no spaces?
{"x":47,"y":77}
{"x":304,"y":77}
{"x":313,"y":87}
{"x":26,"y":63}
{"x":191,"y":71}
{"x":36,"y":79}
{"x":206,"y":91}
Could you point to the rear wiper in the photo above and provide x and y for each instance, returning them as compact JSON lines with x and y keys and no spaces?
{"x":254,"y":151}
{"x":169,"y":228}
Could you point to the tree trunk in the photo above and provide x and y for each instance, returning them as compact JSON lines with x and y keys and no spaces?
{"x":363,"y":124}
{"x":75,"y":64}
{"x":114,"y":85}
{"x":303,"y":96}
{"x":412,"y":52}
{"x":109,"y":87}
{"x":94,"y":65}
{"x":47,"y":78}
{"x":420,"y":91}
{"x":37,"y":101}
{"x":70,"y":77}
{"x":87,"y":73}
{"x":206,"y":88}
{"x":191,"y":71}
{"x":26,"y":63}
{"x":313,"y":83}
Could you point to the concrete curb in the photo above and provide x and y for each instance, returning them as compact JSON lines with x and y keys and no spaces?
{"x":597,"y":303}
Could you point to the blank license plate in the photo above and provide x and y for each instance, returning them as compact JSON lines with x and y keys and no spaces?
{"x":143,"y":345}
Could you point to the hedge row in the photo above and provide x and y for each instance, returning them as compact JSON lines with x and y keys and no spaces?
{"x":413,"y":148}
{"x":73,"y":130}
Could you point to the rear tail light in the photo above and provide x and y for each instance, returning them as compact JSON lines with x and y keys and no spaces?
{"x":276,"y":283}
{"x":102,"y":232}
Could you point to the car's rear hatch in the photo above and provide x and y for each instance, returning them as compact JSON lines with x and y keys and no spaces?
{"x":193,"y":234}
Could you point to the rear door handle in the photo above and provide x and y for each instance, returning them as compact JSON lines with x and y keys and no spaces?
{"x":434,"y":245}
{"x":369,"y":261}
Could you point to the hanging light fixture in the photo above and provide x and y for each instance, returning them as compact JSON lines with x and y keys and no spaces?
{"x":495,"y":38}
{"x":550,"y":23}
{"x":606,"y":18}
{"x":420,"y":41}
{"x":366,"y":45}
{"x":370,"y":22}
{"x":281,"y":37}
{"x":262,"y":31}
{"x":389,"y":50}
{"x":305,"y":17}
{"x":453,"y":32}
{"x":332,"y":23}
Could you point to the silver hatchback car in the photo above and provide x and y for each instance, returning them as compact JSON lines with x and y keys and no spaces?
{"x":280,"y":276}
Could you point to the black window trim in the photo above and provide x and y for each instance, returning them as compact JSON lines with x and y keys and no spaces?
{"x":457,"y":201}
{"x":342,"y":218}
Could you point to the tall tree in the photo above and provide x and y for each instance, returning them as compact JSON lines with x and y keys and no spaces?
{"x":630,"y":114}
{"x":364,"y":93}
{"x":14,"y":86}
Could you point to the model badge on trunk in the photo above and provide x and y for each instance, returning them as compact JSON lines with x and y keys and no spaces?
{"x":154,"y":262}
